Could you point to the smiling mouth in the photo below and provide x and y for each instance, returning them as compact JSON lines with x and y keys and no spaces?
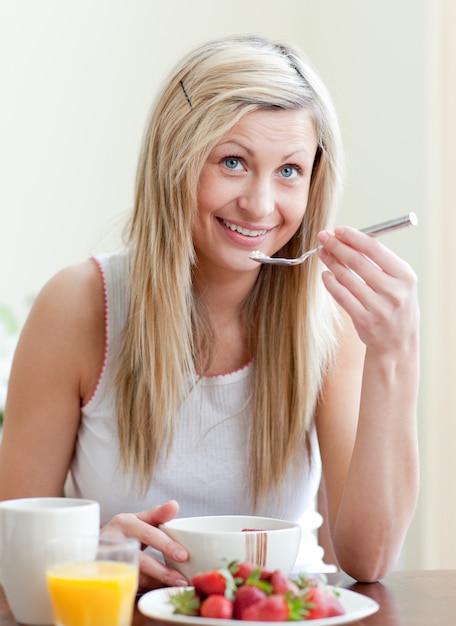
{"x":243,"y":231}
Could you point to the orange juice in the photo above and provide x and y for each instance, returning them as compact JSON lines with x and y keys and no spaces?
{"x":95,"y":593}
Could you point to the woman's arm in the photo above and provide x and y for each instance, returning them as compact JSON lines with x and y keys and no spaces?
{"x":55,"y":369}
{"x":367,"y":417}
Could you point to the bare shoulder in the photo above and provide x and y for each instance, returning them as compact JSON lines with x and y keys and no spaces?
{"x":66,"y":325}
{"x":77,"y":288}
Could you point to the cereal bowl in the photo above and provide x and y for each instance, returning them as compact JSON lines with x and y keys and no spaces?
{"x":216,"y":541}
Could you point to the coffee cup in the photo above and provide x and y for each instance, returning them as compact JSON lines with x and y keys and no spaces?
{"x":26,"y":527}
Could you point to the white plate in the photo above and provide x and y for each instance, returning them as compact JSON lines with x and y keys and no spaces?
{"x":155,"y":604}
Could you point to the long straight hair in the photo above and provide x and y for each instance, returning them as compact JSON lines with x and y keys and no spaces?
{"x":289,"y":316}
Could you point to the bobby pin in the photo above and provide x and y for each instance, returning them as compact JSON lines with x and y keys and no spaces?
{"x":186,"y":95}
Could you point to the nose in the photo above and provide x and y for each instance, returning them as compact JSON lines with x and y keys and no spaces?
{"x":258,"y":199}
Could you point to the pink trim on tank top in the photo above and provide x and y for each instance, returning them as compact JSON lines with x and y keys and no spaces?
{"x":105,"y":316}
{"x":240,"y":369}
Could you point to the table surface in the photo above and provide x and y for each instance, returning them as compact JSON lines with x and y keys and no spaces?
{"x":406,"y":598}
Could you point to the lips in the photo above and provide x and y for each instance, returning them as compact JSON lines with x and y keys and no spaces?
{"x":243,"y":231}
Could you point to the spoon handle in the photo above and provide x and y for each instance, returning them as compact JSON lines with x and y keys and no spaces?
{"x":384,"y":227}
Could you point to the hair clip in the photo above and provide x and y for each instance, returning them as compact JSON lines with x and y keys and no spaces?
{"x":290,"y":59}
{"x":186,"y":95}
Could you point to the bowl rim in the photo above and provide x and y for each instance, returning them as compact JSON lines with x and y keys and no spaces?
{"x":175,"y":524}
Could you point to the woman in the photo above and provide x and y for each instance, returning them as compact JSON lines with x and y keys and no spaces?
{"x":181,"y":373}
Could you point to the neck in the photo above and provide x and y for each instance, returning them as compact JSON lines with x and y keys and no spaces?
{"x":223,"y":294}
{"x":223,"y":298}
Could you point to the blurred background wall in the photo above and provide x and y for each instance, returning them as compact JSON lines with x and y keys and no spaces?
{"x":77,"y":81}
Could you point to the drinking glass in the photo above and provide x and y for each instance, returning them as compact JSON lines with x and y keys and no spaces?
{"x":93,"y":581}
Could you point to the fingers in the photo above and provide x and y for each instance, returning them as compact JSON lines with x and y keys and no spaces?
{"x":144,"y":527}
{"x":160,"y":514}
{"x":363,"y":254}
{"x":153,"y":573}
{"x":371,"y":283}
{"x":132,"y":526}
{"x":349,"y":252}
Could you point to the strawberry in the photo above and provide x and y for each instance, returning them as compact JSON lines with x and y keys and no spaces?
{"x":281,"y":584}
{"x":217,"y":606}
{"x":244,"y":597}
{"x":242,"y":571}
{"x":272,"y":609}
{"x":335,"y":606}
{"x":265,"y":574}
{"x":317,"y":603}
{"x":247,"y":572}
{"x":306,"y":580}
{"x":208,"y":583}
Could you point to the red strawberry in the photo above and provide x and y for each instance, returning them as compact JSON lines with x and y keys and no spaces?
{"x":317,"y":603}
{"x":281,"y":584}
{"x":265,"y":574}
{"x":272,"y":609}
{"x":244,"y":597}
{"x":243,"y":570}
{"x":335,"y":606}
{"x":208,"y":583}
{"x":217,"y":606}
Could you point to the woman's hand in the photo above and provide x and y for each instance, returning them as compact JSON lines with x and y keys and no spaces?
{"x":144,"y":527}
{"x":374,"y":286}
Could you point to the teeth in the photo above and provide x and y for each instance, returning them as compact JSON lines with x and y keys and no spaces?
{"x":244,"y":231}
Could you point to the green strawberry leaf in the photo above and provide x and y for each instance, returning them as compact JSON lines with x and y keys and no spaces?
{"x":255,"y":579}
{"x":230,"y":583}
{"x":185,"y":602}
{"x":298,"y":607}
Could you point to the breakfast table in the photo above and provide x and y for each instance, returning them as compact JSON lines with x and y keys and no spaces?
{"x":406,"y":598}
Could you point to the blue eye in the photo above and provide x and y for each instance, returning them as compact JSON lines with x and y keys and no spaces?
{"x":288,"y":171}
{"x":232,"y":163}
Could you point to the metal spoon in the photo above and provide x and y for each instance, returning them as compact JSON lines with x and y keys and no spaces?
{"x":378,"y":229}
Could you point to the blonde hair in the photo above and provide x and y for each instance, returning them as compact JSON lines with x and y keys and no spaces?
{"x":289,"y":315}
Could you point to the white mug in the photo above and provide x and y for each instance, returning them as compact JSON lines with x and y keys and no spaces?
{"x":26,"y":526}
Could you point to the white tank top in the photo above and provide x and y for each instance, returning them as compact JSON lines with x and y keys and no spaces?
{"x":207,"y":468}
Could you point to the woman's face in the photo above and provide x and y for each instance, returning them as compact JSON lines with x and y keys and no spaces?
{"x":253,"y":188}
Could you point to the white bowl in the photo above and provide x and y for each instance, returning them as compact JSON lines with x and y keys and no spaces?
{"x":216,"y":541}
